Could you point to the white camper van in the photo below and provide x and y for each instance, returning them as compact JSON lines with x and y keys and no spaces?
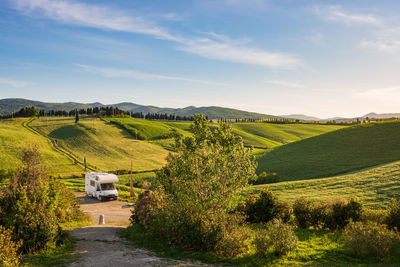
{"x":100,"y":185}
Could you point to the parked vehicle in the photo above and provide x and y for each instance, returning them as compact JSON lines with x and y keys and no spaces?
{"x":100,"y":185}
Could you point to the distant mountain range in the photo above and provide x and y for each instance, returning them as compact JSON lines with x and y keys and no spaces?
{"x":9,"y":105}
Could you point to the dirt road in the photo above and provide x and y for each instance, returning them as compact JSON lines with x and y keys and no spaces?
{"x":100,"y":245}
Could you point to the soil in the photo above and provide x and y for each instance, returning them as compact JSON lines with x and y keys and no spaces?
{"x":100,"y":245}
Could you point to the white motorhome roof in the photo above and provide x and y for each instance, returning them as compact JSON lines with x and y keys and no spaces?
{"x":104,"y":177}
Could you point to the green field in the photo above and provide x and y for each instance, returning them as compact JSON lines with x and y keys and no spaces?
{"x":375,"y":186}
{"x":254,"y":134}
{"x":106,"y":146}
{"x":14,"y":137}
{"x":348,"y":149}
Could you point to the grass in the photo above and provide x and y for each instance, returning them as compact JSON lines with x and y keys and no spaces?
{"x":62,"y":255}
{"x":14,"y":137}
{"x":106,"y":146}
{"x":374,"y":186}
{"x":272,"y":135}
{"x":315,"y":247}
{"x":341,"y":151}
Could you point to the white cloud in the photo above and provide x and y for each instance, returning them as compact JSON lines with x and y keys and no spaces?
{"x":98,"y":16}
{"x":286,"y":84}
{"x":337,"y":13}
{"x":139,"y":75}
{"x":12,"y":83}
{"x":384,"y":93}
{"x":387,"y":40}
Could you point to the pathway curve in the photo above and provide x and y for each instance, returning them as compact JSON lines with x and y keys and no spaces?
{"x":100,"y":245}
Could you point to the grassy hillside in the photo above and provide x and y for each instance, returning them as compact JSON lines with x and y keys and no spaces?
{"x":253,"y":134}
{"x":105,"y":145}
{"x":375,"y":186}
{"x":337,"y":152}
{"x":14,"y":137}
{"x":271,"y":135}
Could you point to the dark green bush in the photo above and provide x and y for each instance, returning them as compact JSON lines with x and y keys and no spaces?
{"x":145,"y":207}
{"x":393,"y":215}
{"x":265,"y":178}
{"x":266,"y":207}
{"x":369,"y":238}
{"x":340,"y":212}
{"x":302,"y":210}
{"x":8,"y":248}
{"x":281,"y":237}
{"x":34,"y":205}
{"x":378,"y":216}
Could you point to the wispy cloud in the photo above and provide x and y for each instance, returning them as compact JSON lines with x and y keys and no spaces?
{"x":99,"y":16}
{"x":12,"y":83}
{"x":384,"y":93}
{"x":387,"y":40}
{"x":140,"y":75}
{"x":286,"y":84}
{"x":337,"y":13}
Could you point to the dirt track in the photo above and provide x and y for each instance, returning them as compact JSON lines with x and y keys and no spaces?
{"x":100,"y":245}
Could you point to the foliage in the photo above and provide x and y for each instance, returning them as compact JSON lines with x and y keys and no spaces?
{"x":302,"y":210}
{"x":8,"y":248}
{"x":265,"y":208}
{"x":261,"y":243}
{"x":330,"y":214}
{"x":393,"y":216}
{"x":369,"y":238}
{"x":145,"y":207}
{"x":266,"y":178}
{"x":199,"y":187}
{"x":370,"y":215}
{"x":281,"y":237}
{"x":34,"y":205}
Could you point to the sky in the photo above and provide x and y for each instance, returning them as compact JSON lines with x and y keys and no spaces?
{"x":320,"y":58}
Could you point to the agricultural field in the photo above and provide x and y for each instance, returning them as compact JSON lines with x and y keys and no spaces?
{"x":374,"y":187}
{"x":105,"y":146}
{"x":14,"y":137}
{"x":338,"y":152}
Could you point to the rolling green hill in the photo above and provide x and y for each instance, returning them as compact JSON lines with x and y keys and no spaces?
{"x":105,"y":146}
{"x":10,"y":105}
{"x":348,"y":149}
{"x":14,"y":137}
{"x":374,"y":186}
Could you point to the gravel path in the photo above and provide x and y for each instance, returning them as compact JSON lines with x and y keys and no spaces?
{"x":100,"y":245}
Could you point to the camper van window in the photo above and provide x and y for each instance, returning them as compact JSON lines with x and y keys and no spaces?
{"x":107,"y":186}
{"x":92,"y":183}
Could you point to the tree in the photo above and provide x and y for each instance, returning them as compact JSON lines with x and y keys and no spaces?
{"x":200,"y":185}
{"x":76,"y":116}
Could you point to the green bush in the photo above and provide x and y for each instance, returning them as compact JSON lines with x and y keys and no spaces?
{"x":265,"y":207}
{"x":261,"y":243}
{"x":200,"y":186}
{"x":34,"y":205}
{"x":340,"y":212}
{"x":8,"y":248}
{"x":145,"y":207}
{"x":369,"y":238}
{"x":265,"y":178}
{"x":393,"y":216}
{"x":281,"y":236}
{"x":378,"y":216}
{"x":302,"y":210}
{"x":234,"y":242}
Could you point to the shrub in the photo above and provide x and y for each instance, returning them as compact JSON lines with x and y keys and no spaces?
{"x":8,"y":249}
{"x":263,"y":208}
{"x":200,"y":186}
{"x":378,"y":216}
{"x":281,"y":237}
{"x":319,"y":212}
{"x":145,"y":207}
{"x":340,"y":212}
{"x":234,"y":242}
{"x":368,"y":238}
{"x":393,"y":216}
{"x":302,"y":210}
{"x":265,"y":178}
{"x":261,"y":243}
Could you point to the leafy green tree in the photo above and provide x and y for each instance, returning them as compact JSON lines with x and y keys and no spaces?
{"x":76,"y":116}
{"x":200,"y":184}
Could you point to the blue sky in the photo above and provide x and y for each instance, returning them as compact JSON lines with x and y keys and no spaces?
{"x":321,"y":58}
